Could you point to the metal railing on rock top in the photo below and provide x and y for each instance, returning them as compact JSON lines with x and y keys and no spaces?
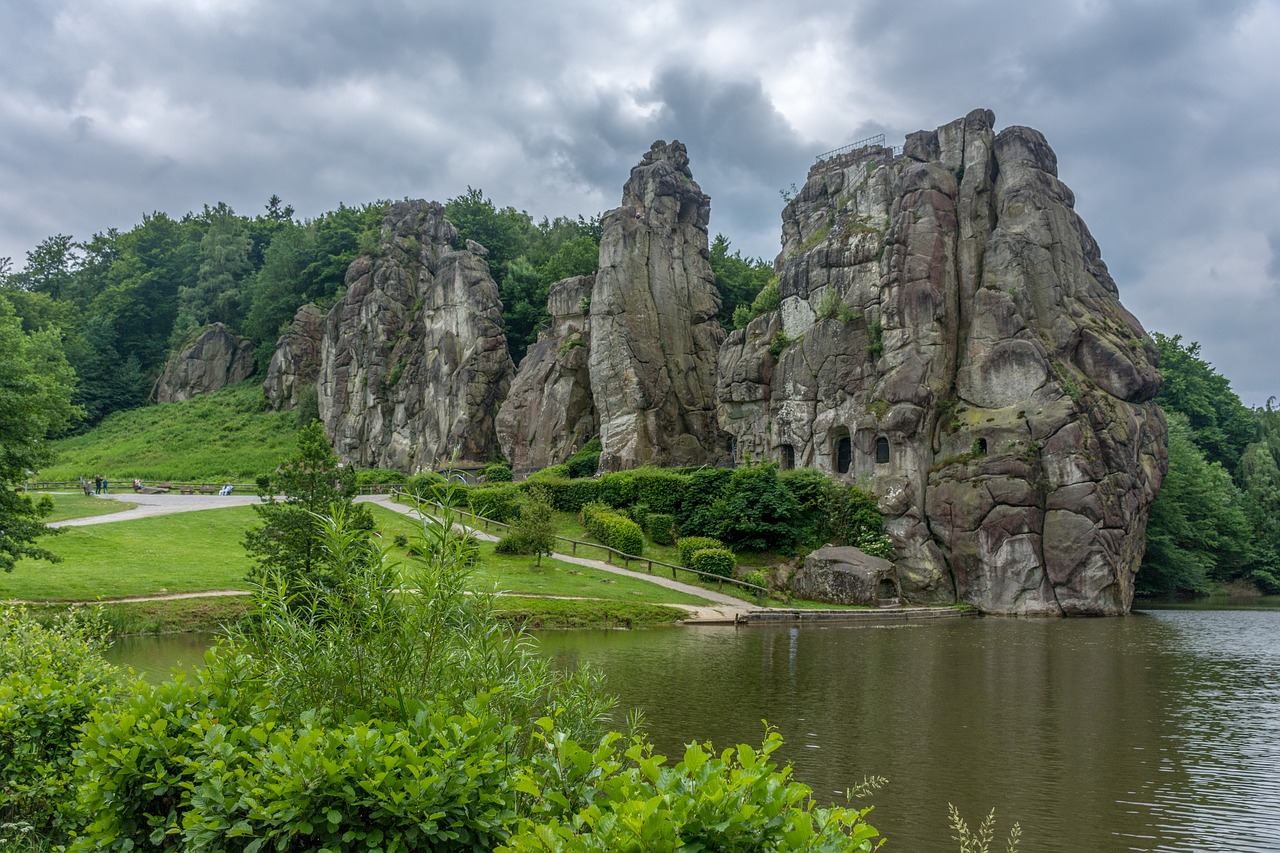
{"x":878,"y":139}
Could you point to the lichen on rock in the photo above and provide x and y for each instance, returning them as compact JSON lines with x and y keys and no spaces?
{"x":954,"y":339}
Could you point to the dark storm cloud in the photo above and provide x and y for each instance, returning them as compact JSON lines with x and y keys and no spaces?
{"x":1160,"y":112}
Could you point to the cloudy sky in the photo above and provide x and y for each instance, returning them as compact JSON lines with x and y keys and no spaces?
{"x":1165,"y":117}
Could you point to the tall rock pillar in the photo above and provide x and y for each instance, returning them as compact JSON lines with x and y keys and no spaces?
{"x":654,"y":334}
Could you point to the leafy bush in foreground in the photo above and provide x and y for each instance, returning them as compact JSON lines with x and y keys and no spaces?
{"x":51,"y":679}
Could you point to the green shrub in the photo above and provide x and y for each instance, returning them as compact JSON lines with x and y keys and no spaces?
{"x":714,"y":561}
{"x":757,"y":577}
{"x":499,"y":502}
{"x":757,"y":512}
{"x":854,"y":515}
{"x":427,"y":485}
{"x":637,"y":512}
{"x":661,"y":528}
{"x":51,"y":680}
{"x":498,"y":472}
{"x":568,"y":495}
{"x":613,"y":529}
{"x":586,"y":462}
{"x":704,"y":488}
{"x":375,"y":476}
{"x":814,"y":493}
{"x":559,"y":472}
{"x":687,"y":545}
{"x":737,"y":800}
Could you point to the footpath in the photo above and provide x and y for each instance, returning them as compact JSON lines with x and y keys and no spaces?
{"x":720,"y":609}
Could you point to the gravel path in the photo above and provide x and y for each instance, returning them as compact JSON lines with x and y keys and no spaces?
{"x":720,"y":607}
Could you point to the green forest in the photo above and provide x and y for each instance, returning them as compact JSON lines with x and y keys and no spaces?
{"x":96,"y":319}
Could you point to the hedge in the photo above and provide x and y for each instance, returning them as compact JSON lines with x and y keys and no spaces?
{"x":688,"y":544}
{"x":499,"y":502}
{"x":661,"y":527}
{"x":613,"y":529}
{"x":714,"y":561}
{"x":660,"y":489}
{"x":568,"y":495}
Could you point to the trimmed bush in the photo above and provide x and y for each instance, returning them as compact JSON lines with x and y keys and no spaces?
{"x":499,"y":502}
{"x":714,"y":561}
{"x":639,"y":513}
{"x":559,"y":472}
{"x":568,"y":495}
{"x":757,"y":577}
{"x":661,"y":528}
{"x":613,"y":529}
{"x":498,"y":472}
{"x":689,"y":544}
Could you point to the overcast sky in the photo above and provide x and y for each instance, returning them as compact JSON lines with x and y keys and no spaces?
{"x":1165,"y":117}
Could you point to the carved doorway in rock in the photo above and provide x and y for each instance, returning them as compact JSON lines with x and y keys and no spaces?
{"x":788,"y":457}
{"x":882,"y":450}
{"x":843,"y":452}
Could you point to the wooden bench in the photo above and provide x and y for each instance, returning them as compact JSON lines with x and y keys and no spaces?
{"x":208,"y":490}
{"x":186,"y":490}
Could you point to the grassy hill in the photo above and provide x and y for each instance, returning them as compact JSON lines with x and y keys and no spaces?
{"x":225,"y":436}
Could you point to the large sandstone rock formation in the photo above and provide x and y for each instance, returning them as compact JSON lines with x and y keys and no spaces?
{"x":214,"y":359}
{"x":296,"y":362}
{"x":414,"y":362}
{"x":950,"y":334}
{"x":549,"y":413}
{"x":654,"y":334}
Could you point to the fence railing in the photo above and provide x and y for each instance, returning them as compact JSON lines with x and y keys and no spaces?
{"x":878,"y":139}
{"x":627,"y":559}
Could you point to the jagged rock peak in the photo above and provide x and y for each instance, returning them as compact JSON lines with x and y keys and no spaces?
{"x":954,"y":338}
{"x":549,"y":412}
{"x":414,"y":361}
{"x":212,"y":360}
{"x":653,"y":331}
{"x":295,"y":364}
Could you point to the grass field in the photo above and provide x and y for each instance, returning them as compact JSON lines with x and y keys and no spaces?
{"x":70,"y":505}
{"x":202,"y":551}
{"x":228,"y":436}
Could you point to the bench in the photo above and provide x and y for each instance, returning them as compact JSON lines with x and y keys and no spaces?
{"x":152,"y":490}
{"x":186,"y":490}
{"x":208,"y":490}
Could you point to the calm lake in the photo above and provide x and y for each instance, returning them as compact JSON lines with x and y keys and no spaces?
{"x":1159,"y":731}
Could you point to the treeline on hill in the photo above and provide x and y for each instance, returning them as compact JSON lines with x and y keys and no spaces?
{"x":1217,"y":517}
{"x":122,"y":301}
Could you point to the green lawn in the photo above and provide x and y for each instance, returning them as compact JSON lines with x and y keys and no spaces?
{"x":68,"y":505}
{"x":185,"y":552}
{"x":227,"y":436}
{"x":201,"y":551}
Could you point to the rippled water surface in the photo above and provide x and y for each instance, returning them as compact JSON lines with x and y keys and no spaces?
{"x":1159,"y":731}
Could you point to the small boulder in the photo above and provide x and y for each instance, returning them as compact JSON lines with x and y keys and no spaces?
{"x":845,"y":575}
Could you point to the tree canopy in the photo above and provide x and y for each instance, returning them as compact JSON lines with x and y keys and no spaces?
{"x":35,"y":402}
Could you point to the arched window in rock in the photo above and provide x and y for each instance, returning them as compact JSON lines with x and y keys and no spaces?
{"x":844,"y":453}
{"x":882,"y":450}
{"x":788,"y":460}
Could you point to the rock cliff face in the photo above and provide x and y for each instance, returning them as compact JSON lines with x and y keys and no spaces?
{"x":215,"y":359}
{"x":654,"y":334}
{"x":296,"y":362}
{"x":549,"y":412}
{"x":414,"y":361}
{"x":949,"y":333}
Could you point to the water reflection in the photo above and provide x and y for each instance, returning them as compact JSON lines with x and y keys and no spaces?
{"x":1143,"y":733}
{"x":1160,"y":731}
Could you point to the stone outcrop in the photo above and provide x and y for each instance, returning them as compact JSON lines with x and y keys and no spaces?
{"x":950,"y":335}
{"x":296,"y":362}
{"x":843,"y":575}
{"x":654,"y":334}
{"x":414,"y":360}
{"x":214,"y":359}
{"x":549,"y":412}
